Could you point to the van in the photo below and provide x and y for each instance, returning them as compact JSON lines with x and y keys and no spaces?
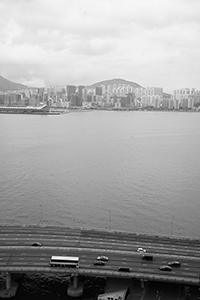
{"x":124,"y":269}
{"x":147,"y":257}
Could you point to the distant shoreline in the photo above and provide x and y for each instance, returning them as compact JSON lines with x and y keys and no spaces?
{"x":60,"y":111}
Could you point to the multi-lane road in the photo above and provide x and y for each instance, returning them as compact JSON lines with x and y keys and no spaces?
{"x":17,"y":254}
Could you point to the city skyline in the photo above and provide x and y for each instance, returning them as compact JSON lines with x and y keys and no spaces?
{"x":7,"y":86}
{"x":152,"y":42}
{"x":110,"y":96}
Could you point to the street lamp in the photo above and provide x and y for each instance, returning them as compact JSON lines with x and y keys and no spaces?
{"x":172,"y":225}
{"x":179,"y":236}
{"x":106,"y":233}
{"x":41,"y":221}
{"x":109,"y":219}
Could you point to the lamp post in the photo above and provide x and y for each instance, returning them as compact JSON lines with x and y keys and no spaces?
{"x":41,"y":221}
{"x":179,"y":236}
{"x":106,"y":233}
{"x":172,"y":225}
{"x":109,"y":219}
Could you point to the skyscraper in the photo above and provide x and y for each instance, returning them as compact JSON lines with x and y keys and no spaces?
{"x":71,"y":89}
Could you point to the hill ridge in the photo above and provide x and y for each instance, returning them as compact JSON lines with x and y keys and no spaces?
{"x":7,"y":85}
{"x":115,"y":81}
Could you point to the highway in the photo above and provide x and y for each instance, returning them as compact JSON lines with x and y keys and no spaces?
{"x":17,"y":254}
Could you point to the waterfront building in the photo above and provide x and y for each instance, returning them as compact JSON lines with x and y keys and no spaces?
{"x":84,"y":94}
{"x":157,"y":102}
{"x":117,"y":105}
{"x":2,"y":98}
{"x":171,"y":104}
{"x":176,"y":103}
{"x":189,"y":94}
{"x":81,"y":91}
{"x":90,"y":97}
{"x":143,"y":101}
{"x":165,"y":103}
{"x":72,"y":100}
{"x":71,"y":89}
{"x":183,"y":95}
{"x":190,"y":102}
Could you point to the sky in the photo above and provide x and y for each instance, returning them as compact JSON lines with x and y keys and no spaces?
{"x":155,"y":43}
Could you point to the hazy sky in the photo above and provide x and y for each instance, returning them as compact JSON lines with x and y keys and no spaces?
{"x":151,"y":42}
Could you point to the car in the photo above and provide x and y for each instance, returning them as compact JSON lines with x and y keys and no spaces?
{"x":165,"y":268}
{"x":124,"y":269}
{"x":102,"y":258}
{"x":174,"y":263}
{"x":147,"y":257}
{"x":99,"y":263}
{"x":141,"y":250}
{"x":36,"y":244}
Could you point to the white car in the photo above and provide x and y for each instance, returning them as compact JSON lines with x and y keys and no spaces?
{"x":141,"y":250}
{"x":102,"y":258}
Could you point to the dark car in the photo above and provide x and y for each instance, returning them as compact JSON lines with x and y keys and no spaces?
{"x":124,"y":269}
{"x":147,"y":257}
{"x":99,"y":263}
{"x":165,"y":268}
{"x":36,"y":244}
{"x":174,"y":263}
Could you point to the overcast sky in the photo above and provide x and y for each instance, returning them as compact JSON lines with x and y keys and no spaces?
{"x":56,"y":42}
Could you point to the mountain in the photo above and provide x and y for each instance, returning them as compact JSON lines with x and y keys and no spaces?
{"x":7,"y":85}
{"x":115,"y":81}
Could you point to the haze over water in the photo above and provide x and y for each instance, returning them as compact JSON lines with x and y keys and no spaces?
{"x":132,"y":171}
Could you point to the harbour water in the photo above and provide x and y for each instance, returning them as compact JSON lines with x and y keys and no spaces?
{"x":132,"y":171}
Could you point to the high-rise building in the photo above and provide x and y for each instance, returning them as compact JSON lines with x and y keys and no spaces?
{"x":71,"y":89}
{"x":98,"y":90}
{"x":2,"y":98}
{"x":89,"y":97}
{"x":81,"y":91}
{"x":103,"y":89}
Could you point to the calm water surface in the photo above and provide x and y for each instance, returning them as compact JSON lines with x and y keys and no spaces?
{"x":134,"y":171}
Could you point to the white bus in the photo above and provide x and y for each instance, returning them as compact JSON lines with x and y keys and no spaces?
{"x":64,"y":261}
